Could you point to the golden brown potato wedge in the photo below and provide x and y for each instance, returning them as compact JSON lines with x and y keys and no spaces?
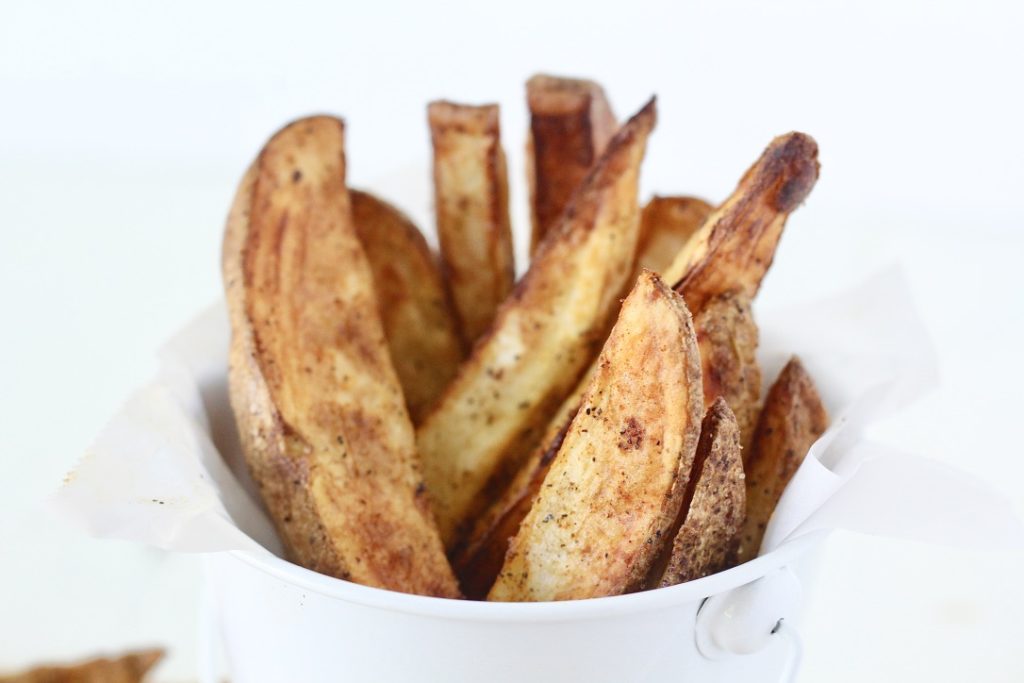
{"x":571,"y":122}
{"x":618,"y":481}
{"x":418,"y":320}
{"x":129,"y":668}
{"x":666,"y":224}
{"x":471,"y":201}
{"x":707,"y":539}
{"x":727,"y":336}
{"x":792,"y":419}
{"x":734,"y":248}
{"x":478,"y":558}
{"x":543,"y":337}
{"x":320,"y":411}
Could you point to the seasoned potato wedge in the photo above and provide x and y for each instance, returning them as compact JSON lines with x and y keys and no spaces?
{"x":478,"y":558}
{"x":319,"y":407}
{"x":727,"y":336}
{"x":543,"y":338}
{"x":619,"y":479}
{"x":792,"y":419}
{"x":666,"y":224}
{"x":571,"y":122}
{"x":130,"y":668}
{"x":736,"y":244}
{"x":709,"y":534}
{"x":471,"y":201}
{"x":414,"y":306}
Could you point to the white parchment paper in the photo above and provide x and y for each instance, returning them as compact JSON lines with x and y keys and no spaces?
{"x":167,"y":470}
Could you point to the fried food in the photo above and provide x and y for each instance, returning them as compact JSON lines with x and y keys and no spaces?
{"x":478,"y":559}
{"x":792,"y":419}
{"x":543,"y":338}
{"x":736,"y":244}
{"x":619,"y":479}
{"x":727,"y":336}
{"x":414,"y":305}
{"x":707,"y":539}
{"x":319,"y":407}
{"x":129,"y":668}
{"x":571,"y":123}
{"x":666,"y":224}
{"x":471,"y":201}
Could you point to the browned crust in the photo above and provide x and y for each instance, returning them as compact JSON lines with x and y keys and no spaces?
{"x":734,"y":248}
{"x":543,"y":337}
{"x":414,"y":304}
{"x":319,"y":407}
{"x":618,"y":481}
{"x":792,"y":419}
{"x":709,"y":534}
{"x":571,"y":122}
{"x":471,"y":203}
{"x":727,"y":336}
{"x":129,"y":668}
{"x":666,"y":224}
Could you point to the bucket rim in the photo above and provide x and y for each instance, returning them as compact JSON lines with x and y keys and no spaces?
{"x":568,"y":610}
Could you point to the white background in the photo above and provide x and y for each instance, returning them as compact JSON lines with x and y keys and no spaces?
{"x":124,"y":128}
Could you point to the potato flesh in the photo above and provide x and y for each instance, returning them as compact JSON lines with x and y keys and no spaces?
{"x":130,"y":668}
{"x":666,"y":225}
{"x":618,"y":480}
{"x":543,"y":338}
{"x":471,"y":203}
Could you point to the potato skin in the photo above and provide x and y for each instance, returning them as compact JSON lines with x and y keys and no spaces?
{"x":571,"y":123}
{"x":543,"y":338}
{"x":791,"y":421}
{"x":129,"y":668}
{"x":471,"y":204}
{"x":736,"y":244}
{"x":709,"y":535}
{"x":619,"y":479}
{"x":414,"y":305}
{"x":727,"y":336}
{"x":319,"y":408}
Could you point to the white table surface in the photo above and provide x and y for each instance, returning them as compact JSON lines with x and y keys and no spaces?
{"x":123,"y":131}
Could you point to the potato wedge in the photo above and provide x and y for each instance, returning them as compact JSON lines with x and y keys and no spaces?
{"x":618,"y":481}
{"x":319,"y":407}
{"x":414,"y":305}
{"x":727,"y":336}
{"x":707,"y":539}
{"x":129,"y":668}
{"x":736,"y":244}
{"x":478,"y":558}
{"x":666,"y":224}
{"x":543,"y":338}
{"x":792,"y":419}
{"x":471,"y":201}
{"x":571,"y":123}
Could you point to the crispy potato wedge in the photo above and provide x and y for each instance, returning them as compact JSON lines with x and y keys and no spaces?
{"x":129,"y":668}
{"x":543,"y":338}
{"x":618,"y":481}
{"x":666,"y":224}
{"x":792,"y":419}
{"x":727,"y":336}
{"x":478,"y":558}
{"x":709,"y":534}
{"x":414,"y":305}
{"x":571,"y":123}
{"x":319,"y":407}
{"x":471,"y":201}
{"x":736,"y":244}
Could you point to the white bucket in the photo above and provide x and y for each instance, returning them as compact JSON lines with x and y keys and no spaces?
{"x":279,"y":622}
